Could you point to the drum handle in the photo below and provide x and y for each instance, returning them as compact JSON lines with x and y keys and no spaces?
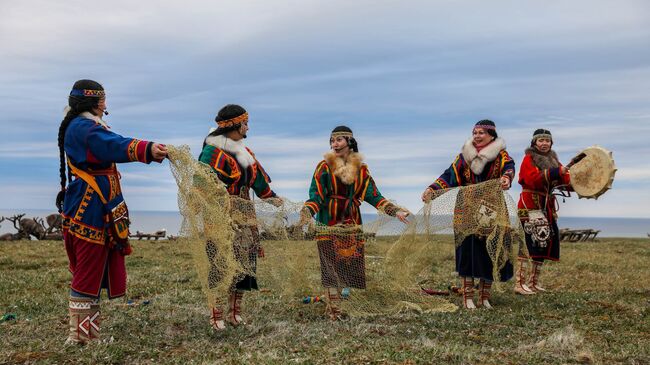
{"x":576,"y":159}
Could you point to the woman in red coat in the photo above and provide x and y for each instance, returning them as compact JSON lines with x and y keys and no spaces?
{"x":541,"y":172}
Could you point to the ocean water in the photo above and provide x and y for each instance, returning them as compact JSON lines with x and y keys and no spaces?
{"x":151,"y":221}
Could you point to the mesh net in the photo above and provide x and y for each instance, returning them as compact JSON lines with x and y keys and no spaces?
{"x":379,"y":267}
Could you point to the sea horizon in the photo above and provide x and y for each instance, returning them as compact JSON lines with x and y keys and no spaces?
{"x":170,"y":220}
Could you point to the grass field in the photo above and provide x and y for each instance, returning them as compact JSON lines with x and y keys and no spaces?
{"x":596,"y":312}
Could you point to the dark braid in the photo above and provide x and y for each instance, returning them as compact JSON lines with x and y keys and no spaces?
{"x":78,"y":105}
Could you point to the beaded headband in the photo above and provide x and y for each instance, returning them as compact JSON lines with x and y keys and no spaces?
{"x":233,"y":121}
{"x":542,"y":135}
{"x":485,"y":126}
{"x":341,"y":134}
{"x":88,"y":92}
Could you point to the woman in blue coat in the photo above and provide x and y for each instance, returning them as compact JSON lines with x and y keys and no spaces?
{"x":95,"y":216}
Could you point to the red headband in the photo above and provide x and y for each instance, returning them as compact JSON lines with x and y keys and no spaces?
{"x":233,"y":121}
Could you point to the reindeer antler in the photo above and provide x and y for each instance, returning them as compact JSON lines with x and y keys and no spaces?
{"x":16,"y":218}
{"x":40,"y":221}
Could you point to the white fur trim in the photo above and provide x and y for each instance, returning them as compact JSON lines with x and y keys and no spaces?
{"x":92,"y":116}
{"x":237,"y":148}
{"x":478,"y":160}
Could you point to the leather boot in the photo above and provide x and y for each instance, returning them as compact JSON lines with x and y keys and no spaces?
{"x":520,"y":284}
{"x":234,"y":308}
{"x":334,"y":304}
{"x":484,"y":293}
{"x":535,"y":273}
{"x":84,"y":320}
{"x":468,"y":293}
{"x":217,"y":318}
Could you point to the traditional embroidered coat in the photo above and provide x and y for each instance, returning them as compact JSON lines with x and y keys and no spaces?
{"x":471,"y":167}
{"x":538,"y":182}
{"x":539,"y":176}
{"x":337,"y":190}
{"x":93,"y":148}
{"x":237,"y":167}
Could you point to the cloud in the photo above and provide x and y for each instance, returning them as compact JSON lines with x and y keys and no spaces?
{"x":409,"y":78}
{"x":29,"y":150}
{"x":633,"y":174}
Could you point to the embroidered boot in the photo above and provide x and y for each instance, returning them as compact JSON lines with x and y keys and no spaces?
{"x":234,"y":308}
{"x":520,"y":285}
{"x":468,"y":293}
{"x":217,"y":318}
{"x":334,"y":304}
{"x":84,"y":320}
{"x":484,"y":293}
{"x":536,"y":271}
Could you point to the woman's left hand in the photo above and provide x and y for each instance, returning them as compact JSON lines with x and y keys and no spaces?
{"x":505,"y":182}
{"x":402,"y":215}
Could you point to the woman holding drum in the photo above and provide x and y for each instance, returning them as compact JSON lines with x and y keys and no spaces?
{"x":541,"y":172}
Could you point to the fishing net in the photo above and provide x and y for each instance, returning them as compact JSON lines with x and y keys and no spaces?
{"x":379,"y":267}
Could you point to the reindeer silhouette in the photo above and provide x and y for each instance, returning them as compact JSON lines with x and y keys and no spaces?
{"x":15,"y":220}
{"x":33,"y":227}
{"x":54,"y":222}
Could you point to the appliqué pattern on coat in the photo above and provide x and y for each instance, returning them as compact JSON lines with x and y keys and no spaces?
{"x":83,"y":231}
{"x":84,"y":203}
{"x":132,"y":150}
{"x":114,"y":184}
{"x":486,"y":217}
{"x":537,"y":226}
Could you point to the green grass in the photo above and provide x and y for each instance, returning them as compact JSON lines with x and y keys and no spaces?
{"x":596,"y":311}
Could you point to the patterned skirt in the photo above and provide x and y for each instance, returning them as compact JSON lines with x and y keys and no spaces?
{"x":342,"y":262}
{"x":245,"y":247}
{"x":552,"y":249}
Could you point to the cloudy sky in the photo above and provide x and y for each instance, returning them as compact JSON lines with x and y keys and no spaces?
{"x":409,"y":77}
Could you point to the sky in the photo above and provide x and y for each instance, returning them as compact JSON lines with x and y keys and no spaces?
{"x":409,"y":77}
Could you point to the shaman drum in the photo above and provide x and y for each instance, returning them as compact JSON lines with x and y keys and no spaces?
{"x":593,"y":175}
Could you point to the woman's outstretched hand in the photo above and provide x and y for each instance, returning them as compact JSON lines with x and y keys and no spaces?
{"x":427,"y":194}
{"x":505,"y":183}
{"x":159,"y":151}
{"x":305,"y":217}
{"x":402,"y":215}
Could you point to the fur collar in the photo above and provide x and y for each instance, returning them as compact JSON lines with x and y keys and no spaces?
{"x":88,"y":115}
{"x":94,"y":118}
{"x":543,"y":161}
{"x":236,"y":148}
{"x":478,"y":160}
{"x":346,"y":170}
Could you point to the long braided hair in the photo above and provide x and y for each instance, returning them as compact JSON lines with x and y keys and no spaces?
{"x":81,"y":99}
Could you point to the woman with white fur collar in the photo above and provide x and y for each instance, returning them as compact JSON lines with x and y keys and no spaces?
{"x":339,"y":185}
{"x":235,"y":165}
{"x":483,"y":157}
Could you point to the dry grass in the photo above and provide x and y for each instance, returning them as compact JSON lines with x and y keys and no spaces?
{"x":595,"y":313}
